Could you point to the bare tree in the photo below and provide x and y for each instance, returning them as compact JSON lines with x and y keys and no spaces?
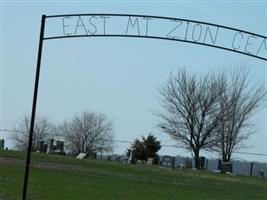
{"x":42,"y":131}
{"x":88,"y":133}
{"x":191,"y":110}
{"x":239,"y":100}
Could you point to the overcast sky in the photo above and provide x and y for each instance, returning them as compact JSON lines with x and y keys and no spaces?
{"x":117,"y":76}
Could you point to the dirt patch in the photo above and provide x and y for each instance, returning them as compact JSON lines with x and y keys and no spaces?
{"x":43,"y":165}
{"x":13,"y":161}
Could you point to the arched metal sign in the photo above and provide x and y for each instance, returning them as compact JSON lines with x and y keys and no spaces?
{"x":142,"y":26}
{"x":155,"y":27}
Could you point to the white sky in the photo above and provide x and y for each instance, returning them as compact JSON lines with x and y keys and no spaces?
{"x":116,"y":76}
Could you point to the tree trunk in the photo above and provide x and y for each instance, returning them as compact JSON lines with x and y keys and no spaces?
{"x":224,"y":159}
{"x":228,"y":157}
{"x":196,"y":154}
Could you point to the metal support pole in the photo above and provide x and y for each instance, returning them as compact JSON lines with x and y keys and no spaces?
{"x":27,"y":167}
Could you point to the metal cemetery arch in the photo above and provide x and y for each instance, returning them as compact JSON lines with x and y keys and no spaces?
{"x":125,"y":25}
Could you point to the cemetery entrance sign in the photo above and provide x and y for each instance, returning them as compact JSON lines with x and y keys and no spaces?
{"x":155,"y":27}
{"x":142,"y":26}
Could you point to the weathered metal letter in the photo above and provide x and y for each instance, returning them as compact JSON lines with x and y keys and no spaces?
{"x":136,"y":22}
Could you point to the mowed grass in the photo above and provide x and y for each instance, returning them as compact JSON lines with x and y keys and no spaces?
{"x":61,"y":177}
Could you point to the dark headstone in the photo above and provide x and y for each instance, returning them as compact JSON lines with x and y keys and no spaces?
{"x":251,"y":168}
{"x":60,"y":146}
{"x":219,"y":164}
{"x":39,"y":145}
{"x":261,"y":173}
{"x":168,"y":162}
{"x":44,"y":148}
{"x":2,"y":144}
{"x":188,"y":163}
{"x":227,"y":167}
{"x":51,"y":146}
{"x":92,"y":155}
{"x":202,"y":160}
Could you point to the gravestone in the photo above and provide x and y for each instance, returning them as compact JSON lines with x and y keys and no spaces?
{"x":81,"y":156}
{"x":202,"y":161}
{"x":44,"y":148}
{"x":226,"y":167}
{"x":60,"y":146}
{"x":261,"y":173}
{"x":219,"y":165}
{"x":51,"y":146}
{"x":150,"y":161}
{"x":168,"y":162}
{"x":40,"y":145}
{"x":188,"y":163}
{"x":2,"y":144}
{"x":131,"y":159}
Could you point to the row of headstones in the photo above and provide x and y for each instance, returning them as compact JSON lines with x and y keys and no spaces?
{"x":166,"y":162}
{"x":223,"y":167}
{"x":51,"y":148}
{"x":169,"y":162}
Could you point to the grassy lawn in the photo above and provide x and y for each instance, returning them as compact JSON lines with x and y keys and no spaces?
{"x":59,"y":177}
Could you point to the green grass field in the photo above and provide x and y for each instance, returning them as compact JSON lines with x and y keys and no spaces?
{"x":59,"y":177}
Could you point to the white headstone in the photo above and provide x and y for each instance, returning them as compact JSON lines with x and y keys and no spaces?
{"x":81,"y":156}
